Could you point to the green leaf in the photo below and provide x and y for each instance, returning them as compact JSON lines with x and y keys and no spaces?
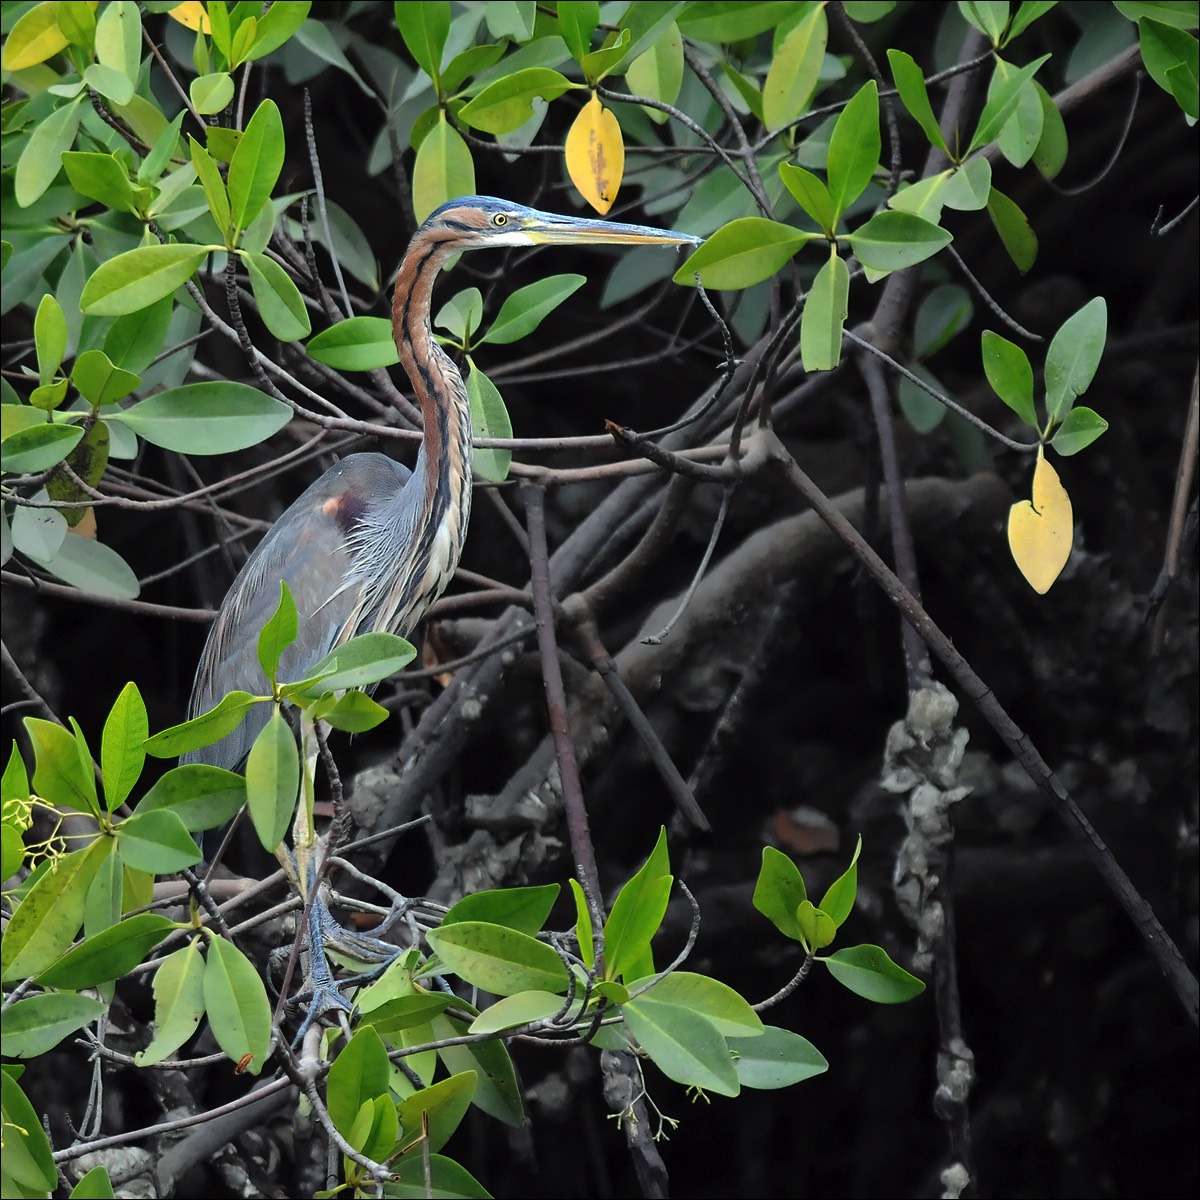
{"x":439,"y":1108}
{"x":112,"y":84}
{"x":988,"y":16}
{"x":967,"y":188}
{"x":28,"y":1161}
{"x":824,"y":316}
{"x":743,"y":253}
{"x":923,"y":411}
{"x":891,"y":241}
{"x":838,"y":901}
{"x":12,"y":849}
{"x":211,"y":93}
{"x":279,"y":301}
{"x":584,"y":935}
{"x":358,"y":1075}
{"x":600,"y":62}
{"x":636,"y":915}
{"x":447,"y":1177}
{"x":511,"y":19}
{"x":729,"y":1013}
{"x":1051,"y":153}
{"x":1013,"y":227}
{"x":943,"y":314}
{"x":178,"y":1003}
{"x":351,"y":712}
{"x":119,"y":38}
{"x":1181,"y":14}
{"x":48,"y":918}
{"x":1171,"y":59}
{"x":682,"y":1044}
{"x":522,"y":1009}
{"x":910,"y":83}
{"x":497,"y":1093}
{"x":356,"y":344}
{"x":1026,"y":14}
{"x":361,"y":661}
{"x":508,"y":103}
{"x":376,"y":1129}
{"x":816,"y":927}
{"x":1081,"y":428}
{"x":203,"y":730}
{"x":206,"y":418}
{"x":1010,"y":375}
{"x":471,"y":61}
{"x":62,"y":775}
{"x":1002,"y":100}
{"x":122,"y":745}
{"x":490,"y":419}
{"x":795,"y":70}
{"x":38,"y":447}
{"x":443,"y":169}
{"x":133,"y":341}
{"x":925,"y":198}
{"x":49,"y":338}
{"x":497,"y":959}
{"x":275,"y":27}
{"x":273,"y":780}
{"x":99,"y":382}
{"x":577,"y":22}
{"x":37,"y":1024}
{"x":255,"y":166}
{"x":524,"y":909}
{"x":41,"y":160}
{"x":777,"y":1059}
{"x":811,"y":194}
{"x":1074,"y":354}
{"x":424,"y":28}
{"x":101,"y":177}
{"x":215,"y":191}
{"x":868,"y":972}
{"x":405,"y":1012}
{"x":201,"y":796}
{"x":107,"y":955}
{"x":92,"y":566}
{"x":279,"y":632}
{"x":139,"y":277}
{"x":779,"y":891}
{"x":854,"y":147}
{"x":525,"y":309}
{"x":732,"y":20}
{"x":1020,"y":134}
{"x":238,"y":1010}
{"x":658,"y":72}
{"x":461,"y":314}
{"x":95,"y":1185}
{"x":157,"y":842}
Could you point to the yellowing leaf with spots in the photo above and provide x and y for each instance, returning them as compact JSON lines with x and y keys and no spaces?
{"x":596,"y":155}
{"x":1040,"y":531}
{"x":192,"y":15}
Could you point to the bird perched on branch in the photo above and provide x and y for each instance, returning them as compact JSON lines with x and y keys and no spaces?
{"x":370,"y":545}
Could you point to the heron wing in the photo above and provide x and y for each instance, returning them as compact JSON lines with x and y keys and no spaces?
{"x":307,"y":547}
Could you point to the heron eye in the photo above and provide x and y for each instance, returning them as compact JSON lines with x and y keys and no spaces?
{"x":499,"y":219}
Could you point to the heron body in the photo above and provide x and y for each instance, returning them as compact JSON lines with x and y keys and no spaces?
{"x":370,"y":545}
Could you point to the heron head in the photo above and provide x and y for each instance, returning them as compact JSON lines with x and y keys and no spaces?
{"x":476,"y":222}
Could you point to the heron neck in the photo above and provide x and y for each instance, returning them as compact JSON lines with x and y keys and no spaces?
{"x":444,"y":462}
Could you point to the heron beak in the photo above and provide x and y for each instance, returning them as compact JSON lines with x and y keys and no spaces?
{"x":575,"y":230}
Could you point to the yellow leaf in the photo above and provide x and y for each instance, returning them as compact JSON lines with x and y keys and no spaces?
{"x":596,"y":155}
{"x":1040,"y":532}
{"x":34,"y":38}
{"x":191,"y":14}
